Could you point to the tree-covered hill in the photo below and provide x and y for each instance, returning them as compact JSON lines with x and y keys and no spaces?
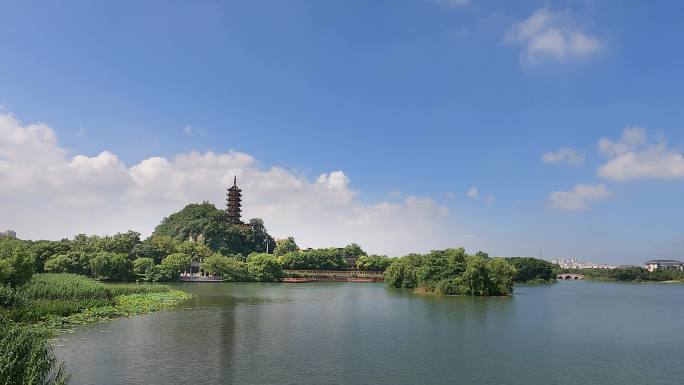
{"x":205,"y":221}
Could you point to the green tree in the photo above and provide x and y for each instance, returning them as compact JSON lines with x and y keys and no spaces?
{"x":26,"y":356}
{"x":177,"y":262}
{"x":532,"y":269}
{"x":228,"y":268}
{"x":353,"y":250}
{"x":141,"y":265}
{"x":44,"y":250}
{"x":16,"y":262}
{"x":501,"y":274}
{"x":77,"y":262}
{"x":284,"y":246}
{"x":110,"y":266}
{"x":264,"y":267}
{"x":373,"y":262}
{"x":161,"y":273}
{"x":475,"y":279}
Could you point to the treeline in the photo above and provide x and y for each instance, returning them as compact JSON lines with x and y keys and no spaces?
{"x":630,"y":274}
{"x":195,"y":233}
{"x":533,"y":270}
{"x":331,"y":258}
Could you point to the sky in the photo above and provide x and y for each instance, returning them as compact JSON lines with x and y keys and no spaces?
{"x":526,"y":128}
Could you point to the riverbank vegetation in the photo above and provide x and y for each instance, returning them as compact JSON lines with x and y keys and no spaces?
{"x":532,"y":270}
{"x":630,"y":274}
{"x":32,"y":312}
{"x":452,"y":272}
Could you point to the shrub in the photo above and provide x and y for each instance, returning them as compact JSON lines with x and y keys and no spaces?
{"x":76,"y":262}
{"x":26,"y":356}
{"x":16,"y":262}
{"x":160,"y":273}
{"x":264,"y":267}
{"x":228,"y":268}
{"x":141,"y":265}
{"x":110,"y":267}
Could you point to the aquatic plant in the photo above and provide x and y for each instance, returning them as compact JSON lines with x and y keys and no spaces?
{"x":26,"y":356}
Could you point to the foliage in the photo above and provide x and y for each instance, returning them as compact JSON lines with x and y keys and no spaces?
{"x":26,"y":356}
{"x":353,"y":250}
{"x":285,"y":246}
{"x":118,"y":289}
{"x":228,"y":268}
{"x":402,"y":271}
{"x":159,"y":273}
{"x":43,"y":250}
{"x":373,"y":262}
{"x":264,"y":267}
{"x":16,"y":262}
{"x":75,"y":262}
{"x":451,"y":272}
{"x":110,"y":266}
{"x":314,"y":259}
{"x":196,"y":251}
{"x":205,"y":221}
{"x":532,"y":269}
{"x":65,"y":286}
{"x":49,"y":301}
{"x":141,"y":265}
{"x":177,"y":262}
{"x":631,"y":274}
{"x":156,"y":247}
{"x":127,"y":305}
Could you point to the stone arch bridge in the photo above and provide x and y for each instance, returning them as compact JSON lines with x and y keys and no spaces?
{"x":569,"y":276}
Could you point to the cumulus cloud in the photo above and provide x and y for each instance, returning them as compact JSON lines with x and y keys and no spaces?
{"x":48,"y":193}
{"x":473,"y":192}
{"x":634,"y":157}
{"x":548,"y":34}
{"x":564,"y":155}
{"x":578,"y":198}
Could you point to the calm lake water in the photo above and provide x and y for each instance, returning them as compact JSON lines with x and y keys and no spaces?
{"x":365,"y":333}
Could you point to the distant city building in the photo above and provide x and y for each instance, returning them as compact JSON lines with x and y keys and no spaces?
{"x":8,"y":234}
{"x":667,"y":264}
{"x":234,"y":203}
{"x":572,"y":263}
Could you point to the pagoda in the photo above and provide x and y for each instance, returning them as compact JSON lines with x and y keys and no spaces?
{"x":233,"y":203}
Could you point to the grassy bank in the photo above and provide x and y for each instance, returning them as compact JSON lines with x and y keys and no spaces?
{"x":37,"y":310}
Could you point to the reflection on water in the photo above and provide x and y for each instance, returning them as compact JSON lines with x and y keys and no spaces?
{"x":353,"y":333}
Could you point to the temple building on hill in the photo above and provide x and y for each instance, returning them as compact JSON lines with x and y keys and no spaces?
{"x":234,"y":203}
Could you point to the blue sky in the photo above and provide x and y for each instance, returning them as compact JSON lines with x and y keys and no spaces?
{"x":408,"y":98}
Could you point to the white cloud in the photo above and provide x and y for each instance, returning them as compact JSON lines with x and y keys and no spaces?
{"x":47,"y":193}
{"x":490,"y":198}
{"x":564,"y":155}
{"x":578,"y":199}
{"x":472,"y":192}
{"x":633,"y":157}
{"x":190,"y":130}
{"x":548,"y":34}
